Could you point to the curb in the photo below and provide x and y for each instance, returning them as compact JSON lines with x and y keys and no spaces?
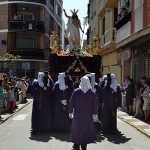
{"x":135,"y":126}
{"x":2,"y":121}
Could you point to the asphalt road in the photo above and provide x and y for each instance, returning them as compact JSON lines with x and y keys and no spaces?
{"x":15,"y":135}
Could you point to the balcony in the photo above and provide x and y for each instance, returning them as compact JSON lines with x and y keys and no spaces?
{"x":110,"y":36}
{"x":124,"y":21}
{"x":28,"y":53}
{"x":35,"y":1}
{"x":123,"y":32}
{"x":15,"y":25}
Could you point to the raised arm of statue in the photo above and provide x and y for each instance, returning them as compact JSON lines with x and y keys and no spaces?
{"x":66,"y":14}
{"x":80,"y":26}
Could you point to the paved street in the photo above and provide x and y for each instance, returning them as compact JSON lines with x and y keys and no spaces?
{"x":15,"y":135}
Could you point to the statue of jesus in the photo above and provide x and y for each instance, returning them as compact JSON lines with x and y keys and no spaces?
{"x":73,"y":27}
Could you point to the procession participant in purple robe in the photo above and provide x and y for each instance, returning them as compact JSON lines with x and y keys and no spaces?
{"x":109,"y":106}
{"x":62,"y":90}
{"x":83,"y":109}
{"x":41,"y":114}
{"x":97,"y":90}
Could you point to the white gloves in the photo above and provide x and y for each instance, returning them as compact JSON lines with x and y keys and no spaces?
{"x":64,"y":102}
{"x":71,"y":115}
{"x":95,"y":118}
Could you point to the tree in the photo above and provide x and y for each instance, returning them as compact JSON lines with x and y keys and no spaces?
{"x":10,"y":60}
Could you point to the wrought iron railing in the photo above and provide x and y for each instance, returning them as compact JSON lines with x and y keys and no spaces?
{"x":124,"y":20}
{"x":35,"y":1}
{"x":26,"y":25}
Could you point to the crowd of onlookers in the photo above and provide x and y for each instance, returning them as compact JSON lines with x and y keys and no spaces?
{"x":13,"y":90}
{"x":139,"y":95}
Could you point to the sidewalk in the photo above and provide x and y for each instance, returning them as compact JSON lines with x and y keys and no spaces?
{"x":6,"y":115}
{"x":136,"y":123}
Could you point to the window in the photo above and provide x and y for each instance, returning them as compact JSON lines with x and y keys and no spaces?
{"x":103,"y":26}
{"x":25,"y":40}
{"x":59,"y":11}
{"x":125,"y":3}
{"x":137,"y":3}
{"x":26,"y":66}
{"x":52,"y":3}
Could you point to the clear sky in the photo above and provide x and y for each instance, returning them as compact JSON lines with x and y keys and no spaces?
{"x":81,"y":5}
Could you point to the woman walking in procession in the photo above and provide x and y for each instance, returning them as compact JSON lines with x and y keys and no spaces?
{"x":83,"y":109}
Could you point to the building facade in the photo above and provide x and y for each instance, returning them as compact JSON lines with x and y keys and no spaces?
{"x":25,"y":26}
{"x":133,"y":40}
{"x":105,"y":29}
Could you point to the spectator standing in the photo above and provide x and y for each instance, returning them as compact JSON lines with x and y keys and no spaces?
{"x":18,"y":86}
{"x":146,"y":97}
{"x":130,"y":95}
{"x":124,"y":12}
{"x":138,"y":100}
{"x":20,"y":95}
{"x":143,"y":80}
{"x":11,"y":98}
{"x":2,"y":97}
{"x":24,"y":89}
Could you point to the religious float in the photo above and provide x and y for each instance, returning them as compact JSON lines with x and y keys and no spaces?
{"x":76,"y":62}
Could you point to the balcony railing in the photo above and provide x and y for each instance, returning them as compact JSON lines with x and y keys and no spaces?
{"x":110,"y":36}
{"x":124,"y":21}
{"x":35,"y":1}
{"x":26,"y":25}
{"x":28,"y":53}
{"x":100,"y":4}
{"x":123,"y":32}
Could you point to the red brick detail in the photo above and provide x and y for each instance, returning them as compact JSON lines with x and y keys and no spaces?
{"x":132,"y":120}
{"x":146,"y":13}
{"x":144,"y":126}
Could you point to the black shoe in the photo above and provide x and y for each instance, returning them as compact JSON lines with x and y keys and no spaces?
{"x":134,"y":116}
{"x":16,"y":107}
{"x":11,"y":112}
{"x":84,"y":147}
{"x":76,"y":147}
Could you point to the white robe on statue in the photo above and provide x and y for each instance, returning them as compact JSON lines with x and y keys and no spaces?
{"x":73,"y":33}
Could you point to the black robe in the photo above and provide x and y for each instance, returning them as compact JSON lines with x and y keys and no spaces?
{"x":109,"y":110}
{"x":41,"y":119}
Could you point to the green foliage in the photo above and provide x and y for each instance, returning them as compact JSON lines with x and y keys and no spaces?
{"x":10,"y":57}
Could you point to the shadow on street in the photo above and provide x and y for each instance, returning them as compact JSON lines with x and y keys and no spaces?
{"x":42,"y":137}
{"x":45,"y":137}
{"x":118,"y":138}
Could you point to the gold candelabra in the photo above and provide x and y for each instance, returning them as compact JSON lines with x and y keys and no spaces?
{"x":54,"y":42}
